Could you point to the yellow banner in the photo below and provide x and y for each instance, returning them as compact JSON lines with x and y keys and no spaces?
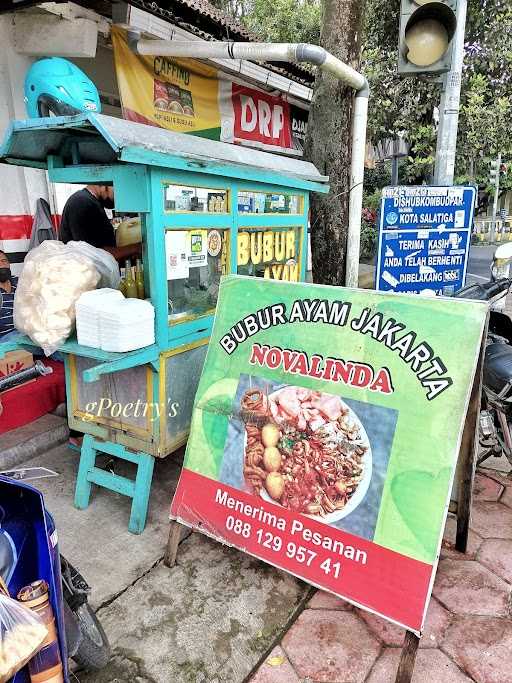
{"x":178,"y":94}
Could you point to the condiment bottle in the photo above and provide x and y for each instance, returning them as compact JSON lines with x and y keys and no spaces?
{"x":122,"y":283}
{"x":46,"y":665}
{"x":131,"y":287}
{"x":139,"y":280}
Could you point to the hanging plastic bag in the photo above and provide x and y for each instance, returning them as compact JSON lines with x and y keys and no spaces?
{"x":54,"y":276}
{"x":105,"y":263}
{"x":22,"y":635}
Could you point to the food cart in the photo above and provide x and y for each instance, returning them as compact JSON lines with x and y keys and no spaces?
{"x":206,"y":209}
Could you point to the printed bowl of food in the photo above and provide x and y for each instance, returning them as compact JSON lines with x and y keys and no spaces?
{"x":175,"y":107}
{"x":310,"y":454}
{"x":161,"y":103}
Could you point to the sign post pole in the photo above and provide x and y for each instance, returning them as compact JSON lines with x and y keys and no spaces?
{"x":177,"y":533}
{"x":450,"y":105}
{"x":407,"y":658}
{"x":495,"y":199}
{"x":468,"y":456}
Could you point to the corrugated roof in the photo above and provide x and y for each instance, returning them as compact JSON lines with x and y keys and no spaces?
{"x":205,"y":21}
{"x":205,"y":9}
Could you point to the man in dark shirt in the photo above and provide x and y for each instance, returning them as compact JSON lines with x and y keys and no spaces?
{"x":8,"y":284}
{"x":84,"y":219}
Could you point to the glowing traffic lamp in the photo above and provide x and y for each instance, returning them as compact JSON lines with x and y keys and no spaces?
{"x":426,"y":35}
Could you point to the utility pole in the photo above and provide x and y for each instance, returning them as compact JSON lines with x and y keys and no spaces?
{"x":395,"y":161}
{"x":495,"y":175}
{"x":450,"y":105}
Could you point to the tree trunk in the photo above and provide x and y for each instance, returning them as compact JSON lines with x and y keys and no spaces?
{"x":328,"y":141}
{"x":472,"y":167}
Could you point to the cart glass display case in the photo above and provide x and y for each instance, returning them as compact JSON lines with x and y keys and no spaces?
{"x":196,"y":259}
{"x":185,"y":199}
{"x":270,"y":202}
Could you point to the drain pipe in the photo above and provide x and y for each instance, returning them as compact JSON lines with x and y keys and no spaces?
{"x":291,"y":52}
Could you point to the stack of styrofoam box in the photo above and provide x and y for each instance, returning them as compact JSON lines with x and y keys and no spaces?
{"x":127,"y":325}
{"x":88,"y":318}
{"x":108,"y":321}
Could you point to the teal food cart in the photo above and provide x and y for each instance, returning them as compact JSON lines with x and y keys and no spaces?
{"x":206,"y":209}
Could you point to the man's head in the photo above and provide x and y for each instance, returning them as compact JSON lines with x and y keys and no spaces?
{"x":5,"y":267}
{"x":104,"y":193}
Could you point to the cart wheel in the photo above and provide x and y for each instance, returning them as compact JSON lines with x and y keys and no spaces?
{"x":94,"y":650}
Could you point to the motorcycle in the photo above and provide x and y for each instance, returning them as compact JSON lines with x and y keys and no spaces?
{"x":84,"y":639}
{"x":495,"y":423}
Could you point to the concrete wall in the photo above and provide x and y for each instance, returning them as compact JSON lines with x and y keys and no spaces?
{"x":19,"y":188}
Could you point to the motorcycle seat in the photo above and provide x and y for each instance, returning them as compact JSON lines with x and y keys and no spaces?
{"x":498,"y":366}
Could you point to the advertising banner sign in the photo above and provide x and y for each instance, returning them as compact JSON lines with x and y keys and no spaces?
{"x":187,"y":96}
{"x":181,"y":95}
{"x":424,"y":239}
{"x":325,"y":434}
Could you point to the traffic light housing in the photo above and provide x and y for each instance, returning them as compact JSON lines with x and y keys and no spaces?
{"x":426,"y":36}
{"x":495,"y":171}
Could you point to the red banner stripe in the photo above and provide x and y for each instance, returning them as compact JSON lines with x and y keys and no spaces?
{"x":382,"y":580}
{"x":15,"y":227}
{"x":19,"y":227}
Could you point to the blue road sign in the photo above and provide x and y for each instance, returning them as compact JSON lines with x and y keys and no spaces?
{"x":424,"y":239}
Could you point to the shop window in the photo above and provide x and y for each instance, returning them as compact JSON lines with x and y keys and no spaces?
{"x":185,"y":199}
{"x":272,"y":253}
{"x":196,"y":259}
{"x":270,"y":203}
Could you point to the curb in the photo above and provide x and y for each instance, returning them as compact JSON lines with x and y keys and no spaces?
{"x":29,"y":446}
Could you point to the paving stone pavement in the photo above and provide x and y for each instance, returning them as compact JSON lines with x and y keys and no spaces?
{"x":468,"y":630}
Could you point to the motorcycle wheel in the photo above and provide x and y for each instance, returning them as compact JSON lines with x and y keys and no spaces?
{"x":94,"y":650}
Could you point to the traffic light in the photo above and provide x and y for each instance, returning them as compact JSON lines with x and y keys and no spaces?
{"x":426,"y":36}
{"x":495,"y":171}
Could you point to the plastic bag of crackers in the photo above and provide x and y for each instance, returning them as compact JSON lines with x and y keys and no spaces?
{"x":22,"y":634}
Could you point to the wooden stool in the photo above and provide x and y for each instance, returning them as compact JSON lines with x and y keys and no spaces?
{"x":138,"y":490}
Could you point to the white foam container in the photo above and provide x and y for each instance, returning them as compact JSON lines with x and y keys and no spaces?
{"x":88,"y":308}
{"x":127,"y":325}
{"x":106,"y":320}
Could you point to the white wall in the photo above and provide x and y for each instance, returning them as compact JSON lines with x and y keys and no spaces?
{"x":101,"y":71}
{"x":20,"y":188}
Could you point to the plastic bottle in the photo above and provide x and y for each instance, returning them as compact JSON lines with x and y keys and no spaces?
{"x":131,"y":287}
{"x":139,"y":280}
{"x":46,"y":665}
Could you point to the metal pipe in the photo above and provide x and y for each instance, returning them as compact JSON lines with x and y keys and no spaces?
{"x":294,"y":53}
{"x":359,"y":120}
{"x":495,"y":200}
{"x":21,"y":376}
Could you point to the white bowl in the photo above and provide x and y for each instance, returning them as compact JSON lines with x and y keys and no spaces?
{"x":362,"y":488}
